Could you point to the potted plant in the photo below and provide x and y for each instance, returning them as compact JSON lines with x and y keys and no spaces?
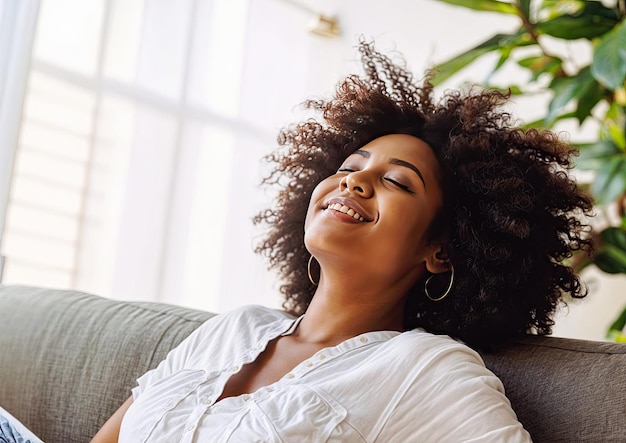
{"x":595,"y":90}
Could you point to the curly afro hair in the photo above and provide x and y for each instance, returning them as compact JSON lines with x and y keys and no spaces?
{"x":511,"y":213}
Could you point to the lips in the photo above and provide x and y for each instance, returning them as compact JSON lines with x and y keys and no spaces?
{"x":349,"y":207}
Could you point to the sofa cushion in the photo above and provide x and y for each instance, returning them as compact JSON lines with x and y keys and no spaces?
{"x":68,"y":360}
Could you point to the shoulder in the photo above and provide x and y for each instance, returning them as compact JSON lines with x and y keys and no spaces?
{"x":458,"y":396}
{"x":442,"y":348}
{"x":228,"y":333}
{"x":248,"y":315}
{"x":426,"y":359}
{"x":443,"y":363}
{"x":243,"y":324}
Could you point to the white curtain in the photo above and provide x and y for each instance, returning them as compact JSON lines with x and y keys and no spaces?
{"x":17,"y":27}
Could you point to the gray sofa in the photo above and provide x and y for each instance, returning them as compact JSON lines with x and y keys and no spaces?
{"x":69,"y":359}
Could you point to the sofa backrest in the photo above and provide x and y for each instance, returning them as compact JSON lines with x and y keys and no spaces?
{"x":565,"y":390}
{"x":68,"y":360}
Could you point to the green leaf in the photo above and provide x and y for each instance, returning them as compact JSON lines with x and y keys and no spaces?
{"x":594,"y":155}
{"x":565,"y":90}
{"x":484,"y":5}
{"x":504,"y":56}
{"x":611,"y":260}
{"x":614,"y":236}
{"x":556,"y":8}
{"x":615,"y":125}
{"x":610,"y":181}
{"x":616,"y":336}
{"x":616,"y":112}
{"x":620,"y":322}
{"x":609,"y":58}
{"x":589,"y":22}
{"x":447,"y":69}
{"x":617,"y":135}
{"x":541,"y":64}
{"x":525,"y":7}
{"x":611,"y":256}
{"x":587,"y":100}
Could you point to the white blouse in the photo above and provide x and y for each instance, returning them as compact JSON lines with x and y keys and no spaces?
{"x":382,"y":386}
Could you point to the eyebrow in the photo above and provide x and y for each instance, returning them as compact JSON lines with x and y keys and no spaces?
{"x":395,"y":161}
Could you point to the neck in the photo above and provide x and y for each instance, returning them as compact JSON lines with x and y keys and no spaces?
{"x":342,"y":309}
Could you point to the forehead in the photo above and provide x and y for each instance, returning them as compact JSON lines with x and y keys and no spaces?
{"x":404,"y":147}
{"x":394,"y":144}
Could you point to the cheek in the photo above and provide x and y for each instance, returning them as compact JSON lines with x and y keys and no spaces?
{"x":406,"y":228}
{"x":315,"y":202}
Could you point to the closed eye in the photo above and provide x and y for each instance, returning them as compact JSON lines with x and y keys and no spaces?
{"x":399,"y":185}
{"x":346,"y":170}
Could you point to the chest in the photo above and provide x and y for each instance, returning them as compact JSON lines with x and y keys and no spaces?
{"x":270,"y":391}
{"x":277,"y":360}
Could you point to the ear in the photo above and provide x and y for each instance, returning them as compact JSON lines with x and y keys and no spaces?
{"x":438,"y":260}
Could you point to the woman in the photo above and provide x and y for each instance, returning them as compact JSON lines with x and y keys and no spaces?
{"x":422,"y":221}
{"x":418,"y":216}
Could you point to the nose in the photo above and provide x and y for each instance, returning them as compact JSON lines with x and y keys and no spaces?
{"x":357,"y":182}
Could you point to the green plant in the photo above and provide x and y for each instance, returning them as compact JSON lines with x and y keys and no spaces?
{"x":579,"y":91}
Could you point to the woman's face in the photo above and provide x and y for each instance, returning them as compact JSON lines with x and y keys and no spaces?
{"x":373,"y":214}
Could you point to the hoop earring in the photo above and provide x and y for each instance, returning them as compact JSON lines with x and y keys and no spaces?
{"x":447,"y":291}
{"x":308,"y":269}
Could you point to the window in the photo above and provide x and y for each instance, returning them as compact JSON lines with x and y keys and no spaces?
{"x":132,"y":137}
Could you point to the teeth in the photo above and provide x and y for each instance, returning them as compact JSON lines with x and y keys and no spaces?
{"x":346,"y":210}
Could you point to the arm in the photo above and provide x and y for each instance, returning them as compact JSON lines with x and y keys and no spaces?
{"x":110,"y":432}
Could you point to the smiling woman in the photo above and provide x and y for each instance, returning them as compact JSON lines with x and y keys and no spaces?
{"x":510,"y":214}
{"x":428,"y":223}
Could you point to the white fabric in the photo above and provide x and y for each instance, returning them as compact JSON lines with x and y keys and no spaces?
{"x":377,"y":387}
{"x":17,"y":28}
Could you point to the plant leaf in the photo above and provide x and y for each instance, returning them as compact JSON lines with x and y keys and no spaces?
{"x":614,"y":236}
{"x":565,"y":90}
{"x":484,"y":5}
{"x":524,"y":6}
{"x":611,"y":260}
{"x":615,"y":125}
{"x":594,"y":155}
{"x":450,"y":67}
{"x":541,"y":64}
{"x":618,"y":136}
{"x":609,"y":58}
{"x":610,"y":181}
{"x":617,"y":326}
{"x":589,"y":98}
{"x":504,"y":56}
{"x":592,"y":21}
